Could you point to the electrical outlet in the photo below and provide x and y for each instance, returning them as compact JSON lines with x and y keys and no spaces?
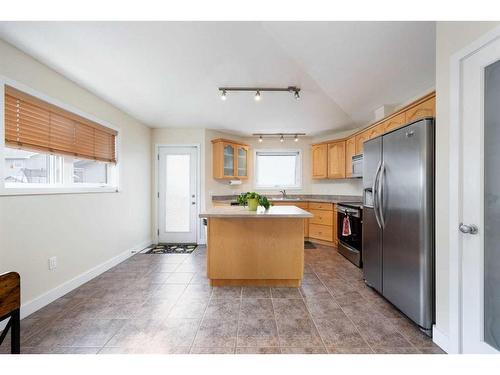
{"x":52,"y":263}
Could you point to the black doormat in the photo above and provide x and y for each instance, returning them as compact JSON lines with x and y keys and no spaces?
{"x":173,"y":248}
{"x":309,"y":245}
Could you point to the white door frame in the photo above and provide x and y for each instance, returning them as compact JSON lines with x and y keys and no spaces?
{"x":199,"y":228}
{"x":455,"y":208}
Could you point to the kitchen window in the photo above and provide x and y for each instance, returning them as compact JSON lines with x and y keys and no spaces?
{"x":48,"y":149}
{"x":280,"y":169}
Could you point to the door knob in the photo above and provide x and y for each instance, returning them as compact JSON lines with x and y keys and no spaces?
{"x":468,"y":229}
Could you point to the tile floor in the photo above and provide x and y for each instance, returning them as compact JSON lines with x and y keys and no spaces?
{"x":163,"y":304}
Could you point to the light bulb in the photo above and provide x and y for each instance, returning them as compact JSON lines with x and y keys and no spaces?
{"x":257,"y":96}
{"x":282,"y":139}
{"x":223,"y":95}
{"x":260,"y":139}
{"x":296,"y":139}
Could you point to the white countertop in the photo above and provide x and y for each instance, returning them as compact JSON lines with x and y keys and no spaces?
{"x":272,"y":212}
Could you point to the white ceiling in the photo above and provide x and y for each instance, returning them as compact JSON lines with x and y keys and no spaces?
{"x":166,"y":74}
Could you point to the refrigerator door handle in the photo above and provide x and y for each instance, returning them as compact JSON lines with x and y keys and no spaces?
{"x":375,"y":195}
{"x":380,"y":195}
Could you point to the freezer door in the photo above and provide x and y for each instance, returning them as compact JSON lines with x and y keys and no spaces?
{"x":372,"y":233}
{"x":372,"y":155}
{"x":372,"y":250}
{"x":407,"y":181}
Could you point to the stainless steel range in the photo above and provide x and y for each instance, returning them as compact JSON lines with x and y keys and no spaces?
{"x":349,"y":230}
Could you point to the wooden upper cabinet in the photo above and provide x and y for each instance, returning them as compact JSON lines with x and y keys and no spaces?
{"x":375,"y":131}
{"x":350,"y":151}
{"x":336,"y":160}
{"x":359,"y":140}
{"x":319,"y":161}
{"x":424,"y":109}
{"x":229,"y":159}
{"x":394,"y":122}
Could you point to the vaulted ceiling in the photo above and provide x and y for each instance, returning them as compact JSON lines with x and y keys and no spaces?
{"x":166,"y":74}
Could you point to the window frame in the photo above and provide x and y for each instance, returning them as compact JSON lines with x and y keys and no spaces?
{"x":298,"y":169}
{"x":66,"y":187}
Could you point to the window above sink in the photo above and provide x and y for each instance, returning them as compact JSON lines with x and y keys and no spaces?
{"x":278,"y":169}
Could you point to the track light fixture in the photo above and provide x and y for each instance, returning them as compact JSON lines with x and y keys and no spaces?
{"x":294,"y":90}
{"x":281,"y":136}
{"x":223,"y":96}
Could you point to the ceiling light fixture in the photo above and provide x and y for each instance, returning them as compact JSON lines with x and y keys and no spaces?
{"x":281,"y":136}
{"x":294,"y":90}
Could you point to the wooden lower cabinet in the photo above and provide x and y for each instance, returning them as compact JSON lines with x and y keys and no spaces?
{"x":323,"y":225}
{"x":321,"y":232}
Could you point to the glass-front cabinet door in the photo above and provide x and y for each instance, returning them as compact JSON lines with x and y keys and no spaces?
{"x":228,"y":158}
{"x":242,"y":161}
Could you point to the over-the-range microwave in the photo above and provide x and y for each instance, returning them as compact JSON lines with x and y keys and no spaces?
{"x":357,"y":166}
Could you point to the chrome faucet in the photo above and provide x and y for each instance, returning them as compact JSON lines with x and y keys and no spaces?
{"x":283,"y":193}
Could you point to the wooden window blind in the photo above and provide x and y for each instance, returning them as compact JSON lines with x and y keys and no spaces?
{"x":33,"y":124}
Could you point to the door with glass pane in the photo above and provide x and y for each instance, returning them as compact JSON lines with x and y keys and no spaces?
{"x":242,"y":153}
{"x":178,"y":203}
{"x":229,"y":160}
{"x":480,"y":200}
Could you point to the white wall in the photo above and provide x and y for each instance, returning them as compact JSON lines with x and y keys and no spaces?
{"x":82,"y":230}
{"x":451,"y":37}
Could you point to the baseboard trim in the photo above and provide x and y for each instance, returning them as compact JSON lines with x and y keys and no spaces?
{"x":440,"y":339}
{"x":43,"y":300}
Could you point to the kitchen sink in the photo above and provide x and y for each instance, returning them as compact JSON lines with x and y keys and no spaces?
{"x":285,"y":199}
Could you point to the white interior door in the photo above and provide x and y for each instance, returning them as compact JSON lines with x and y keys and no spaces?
{"x":178,"y":201}
{"x":480,"y":200}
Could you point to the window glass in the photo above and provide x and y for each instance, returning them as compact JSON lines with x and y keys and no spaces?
{"x":26,"y":167}
{"x":277,"y":169}
{"x":90,"y":171}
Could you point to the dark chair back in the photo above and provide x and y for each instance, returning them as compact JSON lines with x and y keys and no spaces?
{"x":10,"y":305}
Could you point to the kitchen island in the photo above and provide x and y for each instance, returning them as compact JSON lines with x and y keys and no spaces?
{"x":246,"y":248}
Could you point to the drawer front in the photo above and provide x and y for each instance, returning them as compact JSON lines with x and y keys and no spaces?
{"x":302,"y":205}
{"x":321,"y":232}
{"x":320,"y":206}
{"x":321,"y":217}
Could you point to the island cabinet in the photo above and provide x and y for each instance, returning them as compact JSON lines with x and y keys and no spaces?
{"x":302,"y":205}
{"x":248,"y":248}
{"x":230,"y":160}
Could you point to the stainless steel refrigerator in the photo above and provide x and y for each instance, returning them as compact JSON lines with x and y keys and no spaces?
{"x":398,"y":219}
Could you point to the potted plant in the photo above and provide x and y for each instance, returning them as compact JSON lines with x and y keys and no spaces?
{"x":253,"y":200}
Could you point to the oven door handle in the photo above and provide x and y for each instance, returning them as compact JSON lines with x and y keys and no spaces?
{"x":375,"y":194}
